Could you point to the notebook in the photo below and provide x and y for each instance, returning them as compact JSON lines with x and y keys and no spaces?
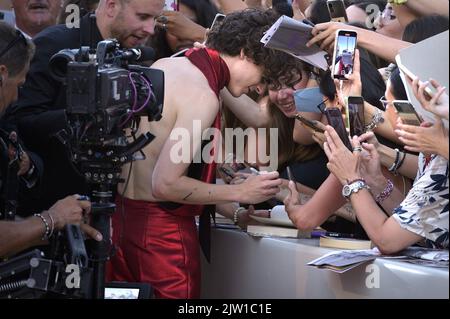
{"x":345,"y":243}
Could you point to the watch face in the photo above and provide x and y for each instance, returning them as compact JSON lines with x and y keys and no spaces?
{"x":346,"y":191}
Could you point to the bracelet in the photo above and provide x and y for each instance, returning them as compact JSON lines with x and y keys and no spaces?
{"x":400,"y":163}
{"x":356,"y":180}
{"x":377,"y":118}
{"x":47,"y":227}
{"x":385,"y":193}
{"x":236,"y":214}
{"x":397,"y":158}
{"x":52,"y":228}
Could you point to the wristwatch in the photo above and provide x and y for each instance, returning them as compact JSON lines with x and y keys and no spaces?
{"x":354,"y":187}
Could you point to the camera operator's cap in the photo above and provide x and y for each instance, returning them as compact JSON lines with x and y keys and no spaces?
{"x":83,"y":197}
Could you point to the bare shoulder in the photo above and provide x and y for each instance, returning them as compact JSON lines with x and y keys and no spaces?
{"x":186,"y":85}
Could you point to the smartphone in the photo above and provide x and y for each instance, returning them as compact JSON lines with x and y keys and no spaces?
{"x":336,"y":8}
{"x":334,"y":117}
{"x":344,"y":53}
{"x":231,"y":166}
{"x":217,"y":19}
{"x":289,"y":174}
{"x":309,"y":123}
{"x":172,"y":5}
{"x":355,"y":115}
{"x":405,"y":110}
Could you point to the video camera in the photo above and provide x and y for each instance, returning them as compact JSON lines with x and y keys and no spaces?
{"x":105,"y":96}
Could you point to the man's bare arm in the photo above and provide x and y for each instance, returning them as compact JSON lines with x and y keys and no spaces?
{"x":169,"y":181}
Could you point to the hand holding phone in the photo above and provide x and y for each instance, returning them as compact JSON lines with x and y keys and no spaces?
{"x":334,"y":117}
{"x":336,"y":9}
{"x":355,"y":115}
{"x":344,"y":53}
{"x":309,"y":123}
{"x":405,"y":110}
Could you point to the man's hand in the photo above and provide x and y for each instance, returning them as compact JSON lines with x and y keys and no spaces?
{"x":257,"y":189}
{"x":69,"y":210}
{"x":14,"y":154}
{"x":72,"y":210}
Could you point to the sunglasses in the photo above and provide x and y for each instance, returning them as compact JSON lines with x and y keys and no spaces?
{"x":384,"y":102}
{"x":19,"y":37}
{"x":322,"y":106}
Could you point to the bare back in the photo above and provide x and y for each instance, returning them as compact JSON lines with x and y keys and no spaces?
{"x":185,"y":87}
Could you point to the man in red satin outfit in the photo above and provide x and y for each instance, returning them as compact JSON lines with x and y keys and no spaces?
{"x":154,"y":227}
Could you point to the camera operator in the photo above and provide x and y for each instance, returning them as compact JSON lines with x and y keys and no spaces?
{"x":15,"y":56}
{"x":40,"y":111}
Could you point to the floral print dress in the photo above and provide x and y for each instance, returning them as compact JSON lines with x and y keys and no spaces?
{"x":425,"y":209}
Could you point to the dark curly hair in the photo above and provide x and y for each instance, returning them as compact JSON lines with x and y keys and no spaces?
{"x":243,"y":30}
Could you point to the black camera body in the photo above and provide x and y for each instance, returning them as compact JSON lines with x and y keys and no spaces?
{"x":106,"y":97}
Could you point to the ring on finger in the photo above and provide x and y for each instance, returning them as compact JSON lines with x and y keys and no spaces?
{"x":163,"y":19}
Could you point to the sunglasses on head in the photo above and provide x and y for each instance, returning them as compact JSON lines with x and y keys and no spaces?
{"x":19,"y":37}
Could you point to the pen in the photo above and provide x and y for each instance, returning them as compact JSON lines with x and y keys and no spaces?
{"x":321,"y":233}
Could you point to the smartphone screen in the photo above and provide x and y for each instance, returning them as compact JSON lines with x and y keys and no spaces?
{"x":336,"y":8}
{"x":407,"y":113}
{"x":344,"y":54}
{"x":308,"y":123}
{"x":334,"y":117}
{"x":355,"y":115}
{"x":172,"y":5}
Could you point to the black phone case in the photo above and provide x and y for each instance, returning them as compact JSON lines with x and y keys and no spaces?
{"x":356,"y":117}
{"x":334,"y":118}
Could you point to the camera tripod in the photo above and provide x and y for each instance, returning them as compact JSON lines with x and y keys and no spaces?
{"x":101,"y":211}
